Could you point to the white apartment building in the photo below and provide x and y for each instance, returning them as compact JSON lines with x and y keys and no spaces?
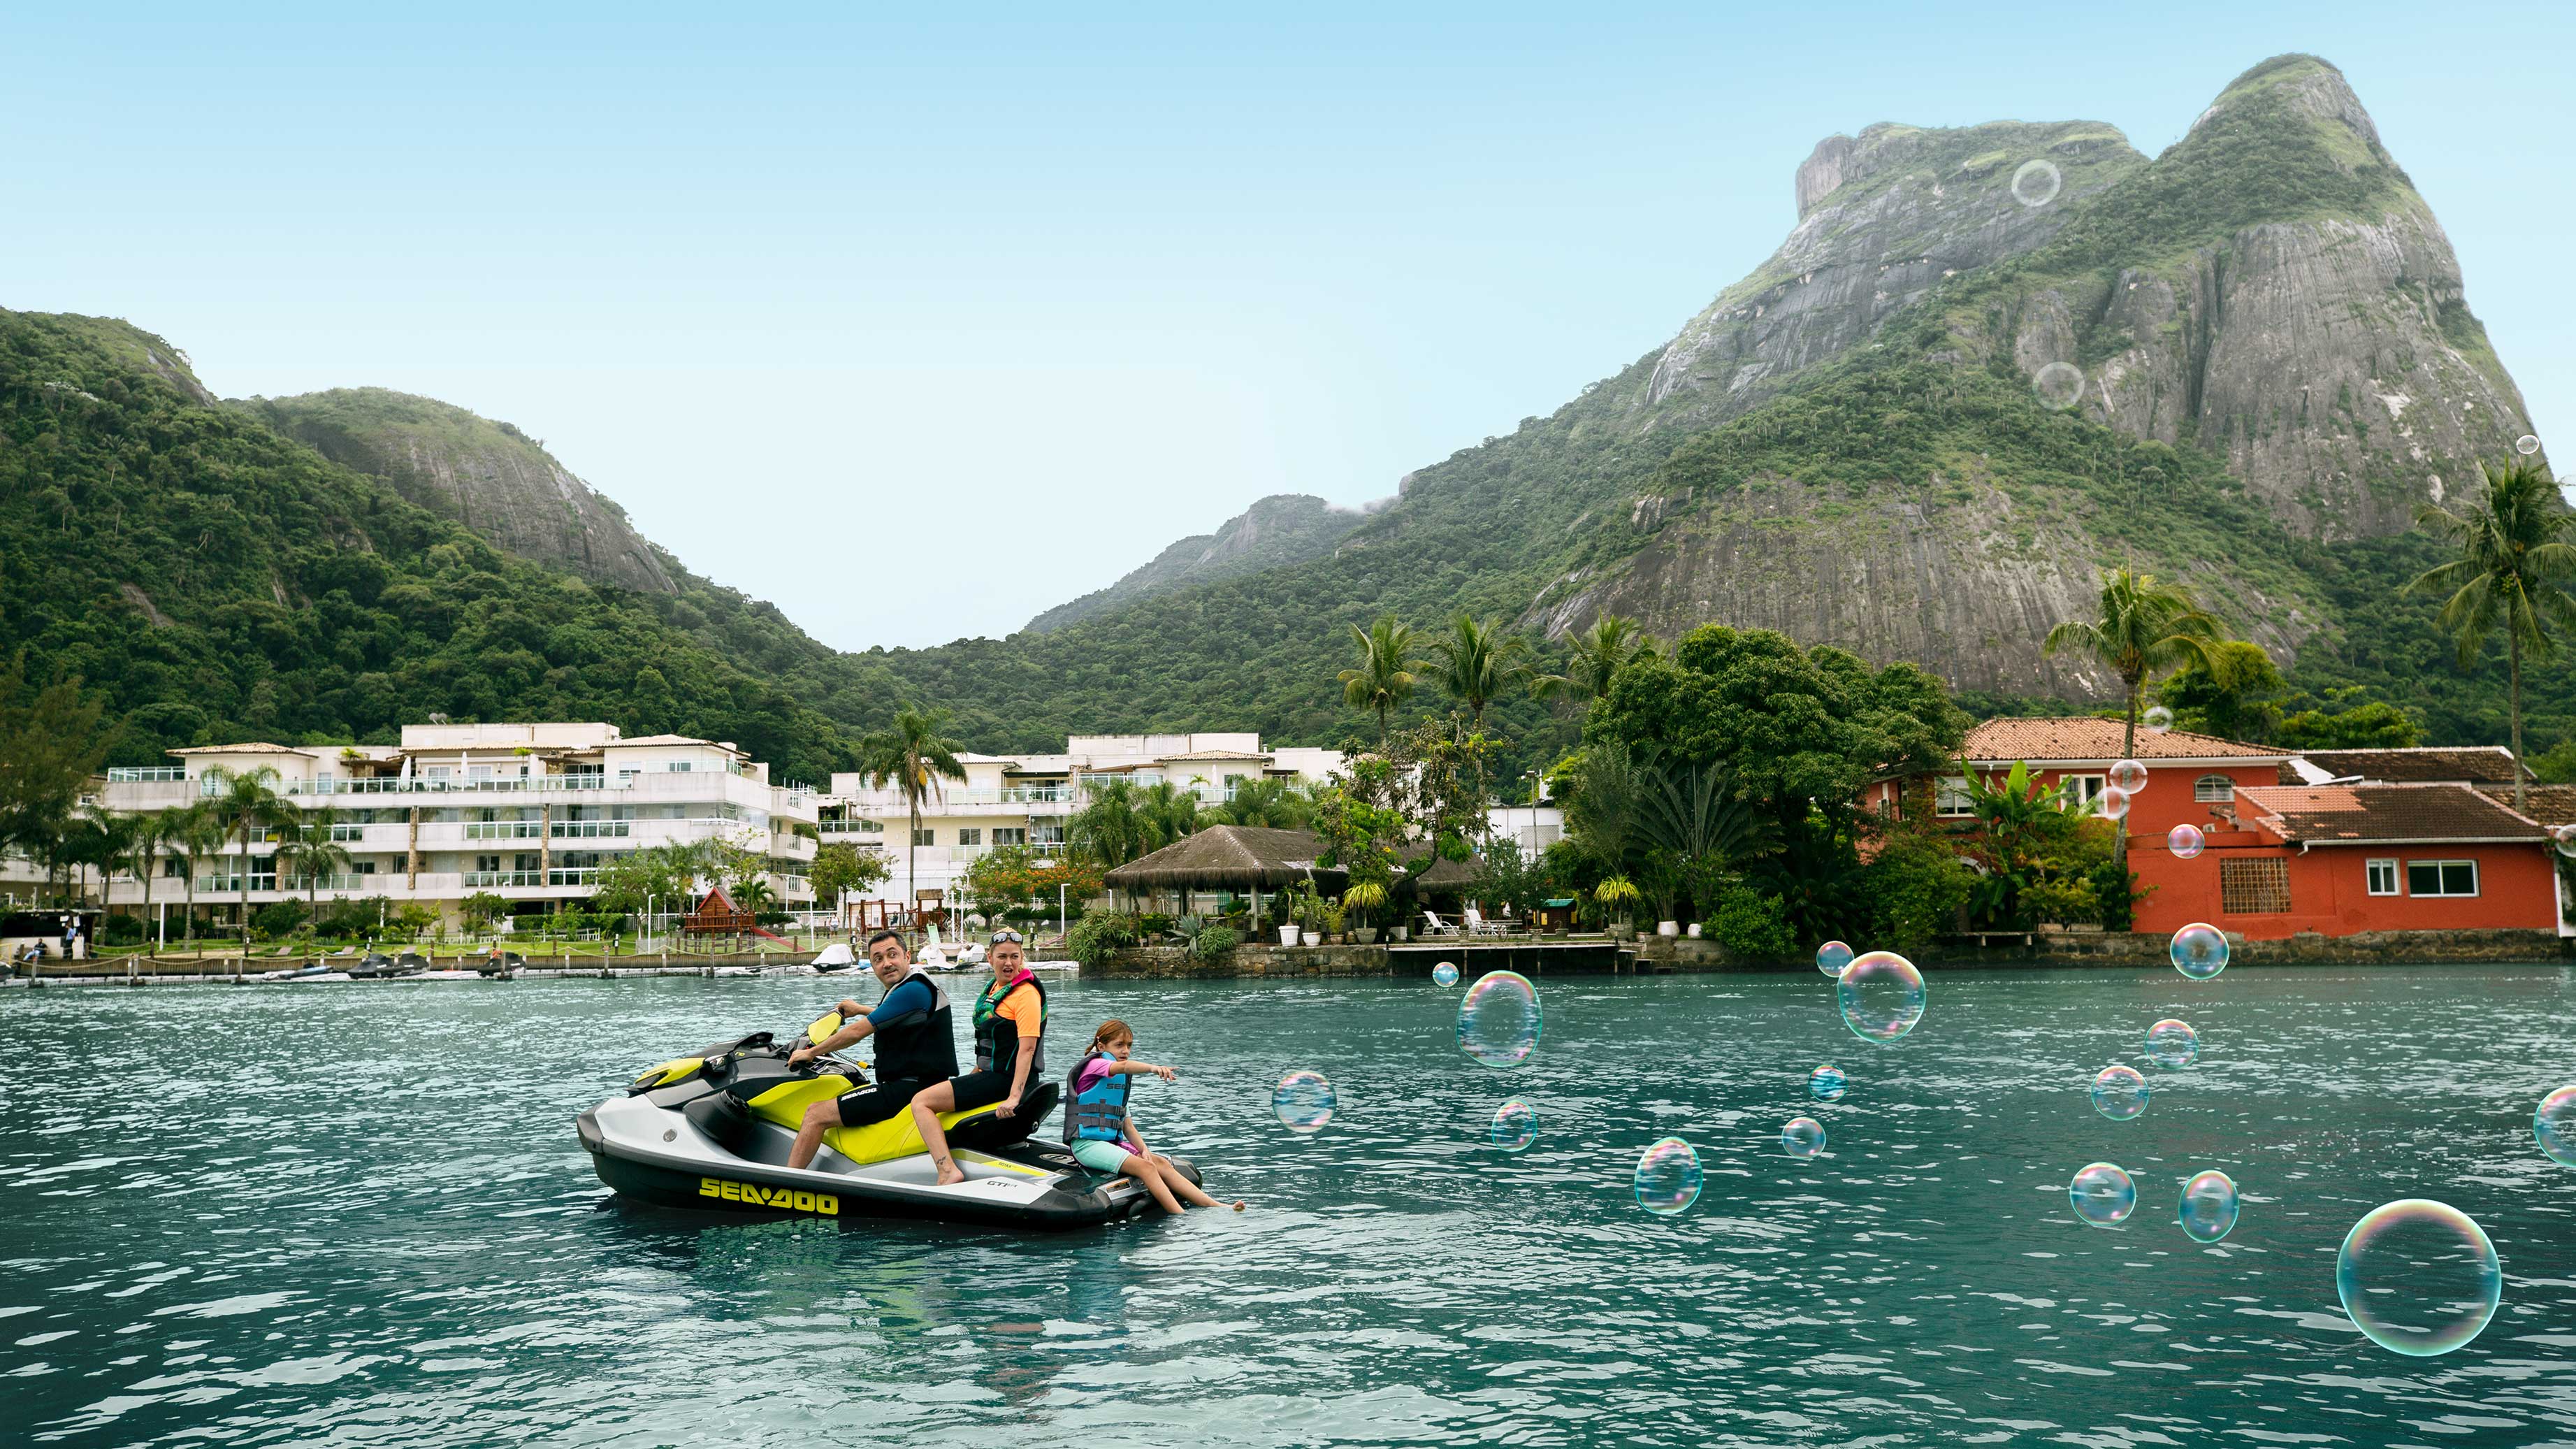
{"x":527,"y":812}
{"x":1027,"y":799}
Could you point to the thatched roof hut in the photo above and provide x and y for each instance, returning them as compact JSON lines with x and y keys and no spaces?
{"x":1231,"y":857}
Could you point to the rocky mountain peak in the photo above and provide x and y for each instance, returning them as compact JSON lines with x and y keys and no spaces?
{"x":2312,"y":87}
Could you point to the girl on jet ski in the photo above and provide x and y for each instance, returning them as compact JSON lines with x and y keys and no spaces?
{"x":1103,"y":1137}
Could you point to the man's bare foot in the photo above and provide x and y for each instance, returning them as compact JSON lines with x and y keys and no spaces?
{"x":949,"y":1175}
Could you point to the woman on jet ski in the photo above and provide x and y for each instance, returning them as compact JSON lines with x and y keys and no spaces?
{"x":1103,"y":1137}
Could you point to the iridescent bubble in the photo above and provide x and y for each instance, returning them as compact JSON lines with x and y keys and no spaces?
{"x":2112,"y":803}
{"x":1444,"y":974}
{"x":2102,"y":1194}
{"x":1668,"y":1177}
{"x":1803,"y":1136}
{"x":1825,"y":1083}
{"x":2060,"y":385}
{"x":2554,"y":1125}
{"x":1498,"y":1019}
{"x":2199,"y":950}
{"x":2036,"y":184}
{"x":2526,"y":445}
{"x":1881,"y":996}
{"x":2418,"y":1277}
{"x":1832,"y":957}
{"x":2185,"y":841}
{"x":2119,"y":1093}
{"x":2156,"y":720}
{"x":2129,"y":775}
{"x":1304,"y":1102}
{"x":2172,"y":1044}
{"x":2565,"y":837}
{"x":1515,"y":1125}
{"x":2208,"y":1209}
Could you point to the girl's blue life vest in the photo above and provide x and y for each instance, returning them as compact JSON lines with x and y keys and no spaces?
{"x":1098,"y":1112}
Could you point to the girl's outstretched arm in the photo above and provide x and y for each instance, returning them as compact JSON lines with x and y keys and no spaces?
{"x":1133,"y":1065}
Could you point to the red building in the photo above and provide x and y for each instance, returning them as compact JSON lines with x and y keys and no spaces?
{"x":2280,"y":859}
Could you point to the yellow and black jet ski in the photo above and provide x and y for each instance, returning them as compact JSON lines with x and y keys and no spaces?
{"x":712,"y":1132}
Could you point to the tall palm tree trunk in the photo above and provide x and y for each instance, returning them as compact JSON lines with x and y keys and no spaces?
{"x":2513,"y":656}
{"x":244,"y":883}
{"x":2128,"y":751}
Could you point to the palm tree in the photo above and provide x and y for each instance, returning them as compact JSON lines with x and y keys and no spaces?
{"x":1614,"y":642}
{"x":1383,"y":679}
{"x":195,"y":836}
{"x":2145,"y":626}
{"x":2511,"y":572}
{"x":1479,"y":661}
{"x":101,"y":839}
{"x":1278,"y":804}
{"x":914,"y":758}
{"x":314,"y":853}
{"x":248,"y":805}
{"x":1110,"y":827}
{"x":1170,"y":812}
{"x":152,"y":834}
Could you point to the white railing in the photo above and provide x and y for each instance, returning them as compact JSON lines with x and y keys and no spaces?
{"x":504,"y":829}
{"x":574,"y":875}
{"x":394,"y":785}
{"x":348,"y":832}
{"x":892,"y":800}
{"x":503,"y":879}
{"x":122,"y":774}
{"x":591,"y":829}
{"x":233,"y":883}
{"x":324,"y":882}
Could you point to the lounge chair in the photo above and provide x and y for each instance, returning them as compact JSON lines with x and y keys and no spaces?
{"x":1477,"y":925}
{"x":1432,"y":925}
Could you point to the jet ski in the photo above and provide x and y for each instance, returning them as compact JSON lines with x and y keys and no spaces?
{"x":712,"y":1132}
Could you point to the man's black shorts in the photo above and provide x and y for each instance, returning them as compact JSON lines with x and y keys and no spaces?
{"x":877,"y":1103}
{"x":980,"y":1089}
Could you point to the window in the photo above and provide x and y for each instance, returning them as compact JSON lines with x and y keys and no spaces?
{"x":524,"y":861}
{"x":2213,"y":790}
{"x":925,"y":836}
{"x":485,"y":864}
{"x":678,"y":767}
{"x":1950,"y":801}
{"x":1046,"y":835}
{"x":2254,"y":887}
{"x":2441,"y":877}
{"x":2082,"y":789}
{"x":174,"y":867}
{"x":1010,"y":835}
{"x":366,"y":867}
{"x":2382,"y":875}
{"x":970,"y":835}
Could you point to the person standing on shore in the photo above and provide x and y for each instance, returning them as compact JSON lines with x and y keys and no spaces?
{"x":1010,"y":1027}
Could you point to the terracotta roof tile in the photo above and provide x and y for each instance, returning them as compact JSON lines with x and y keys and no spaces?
{"x":2474,"y":763}
{"x":2551,"y":805}
{"x":2007,"y":740}
{"x":2375,"y":814}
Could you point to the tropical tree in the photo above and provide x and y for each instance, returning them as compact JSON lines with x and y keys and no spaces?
{"x":100,"y":840}
{"x":1612,"y":643}
{"x":1110,"y":826}
{"x":2144,"y":626}
{"x":1697,"y":814}
{"x":914,"y":757}
{"x":312,"y":852}
{"x":154,"y":832}
{"x":1479,"y":662}
{"x":1383,"y":678}
{"x":196,"y":837}
{"x":841,"y":866}
{"x":1170,"y":812}
{"x":48,"y":747}
{"x":248,"y":806}
{"x":2512,"y":573}
{"x":1276,"y":803}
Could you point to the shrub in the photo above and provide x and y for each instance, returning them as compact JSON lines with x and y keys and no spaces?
{"x":1916,"y":886}
{"x":1215,"y":943}
{"x":1754,"y":925}
{"x":2059,"y":902}
{"x":1094,"y":937}
{"x":281,"y":919}
{"x":121,"y":931}
{"x":351,"y":918}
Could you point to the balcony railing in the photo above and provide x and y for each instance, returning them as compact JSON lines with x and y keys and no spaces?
{"x":233,"y":883}
{"x":891,"y":800}
{"x":394,"y":785}
{"x":573,"y":876}
{"x":851,"y":827}
{"x":591,"y":829}
{"x":139,"y":774}
{"x":325,"y":883}
{"x":504,"y":829}
{"x":348,"y":832}
{"x":503,"y":879}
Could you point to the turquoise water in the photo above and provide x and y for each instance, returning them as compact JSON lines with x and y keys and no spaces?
{"x":359,"y":1215}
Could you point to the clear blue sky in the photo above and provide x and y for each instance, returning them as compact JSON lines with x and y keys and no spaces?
{"x":918,"y":327}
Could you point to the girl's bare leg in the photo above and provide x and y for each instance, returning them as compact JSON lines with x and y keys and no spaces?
{"x":1180,"y":1183}
{"x":1143,"y":1170}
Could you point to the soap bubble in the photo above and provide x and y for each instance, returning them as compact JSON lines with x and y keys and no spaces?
{"x":1668,"y":1177}
{"x":2036,"y":183}
{"x":2199,"y":950}
{"x":2185,"y":841}
{"x":1498,"y":1019}
{"x":2129,"y":775}
{"x":2059,"y":385}
{"x":1881,"y":996}
{"x":1832,"y":957}
{"x":1825,"y":1083}
{"x":2526,"y":445}
{"x":2554,"y":1124}
{"x":2112,"y":803}
{"x":1304,"y":1102}
{"x":1444,"y":974}
{"x":2208,"y":1208}
{"x":2418,"y":1277}
{"x":2156,"y":720}
{"x":1803,"y":1136}
{"x":2102,"y":1194}
{"x":2119,"y":1093}
{"x":1515,"y":1125}
{"x":2173,"y":1044}
{"x":2565,"y":836}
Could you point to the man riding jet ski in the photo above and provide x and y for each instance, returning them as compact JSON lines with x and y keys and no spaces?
{"x":721,"y":1130}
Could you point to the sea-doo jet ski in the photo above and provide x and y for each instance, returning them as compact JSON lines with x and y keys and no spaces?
{"x":712,"y":1131}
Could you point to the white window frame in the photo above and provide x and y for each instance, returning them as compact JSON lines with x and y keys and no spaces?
{"x":1010,"y":835}
{"x":1950,"y":798}
{"x":2202,"y":792}
{"x":970,"y":835}
{"x":2441,"y":868}
{"x":2088,"y":788}
{"x":2380,"y":876}
{"x":926,"y":835}
{"x":679,"y":767}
